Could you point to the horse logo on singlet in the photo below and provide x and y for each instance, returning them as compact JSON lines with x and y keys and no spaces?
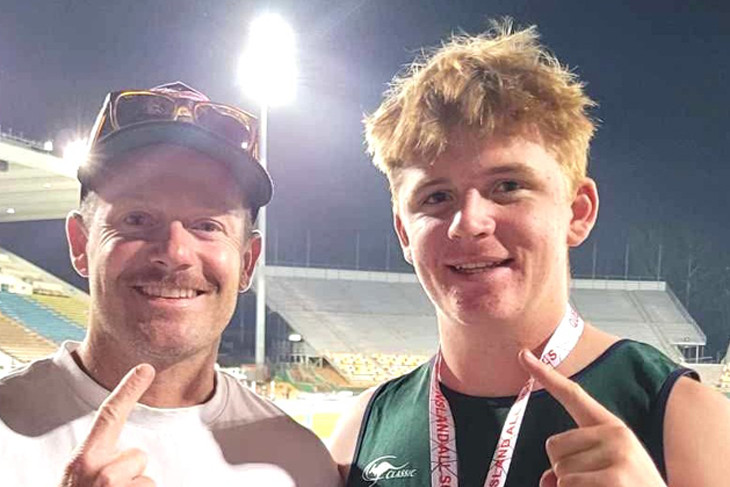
{"x":382,"y":469}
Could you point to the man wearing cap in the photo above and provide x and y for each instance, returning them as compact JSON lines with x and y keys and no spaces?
{"x":164,"y":233}
{"x":485,"y":144}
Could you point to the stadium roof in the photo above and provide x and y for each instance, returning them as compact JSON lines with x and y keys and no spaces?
{"x":34,"y":184}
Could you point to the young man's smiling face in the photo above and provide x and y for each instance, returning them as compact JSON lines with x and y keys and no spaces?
{"x":166,"y":253}
{"x":487,"y":227}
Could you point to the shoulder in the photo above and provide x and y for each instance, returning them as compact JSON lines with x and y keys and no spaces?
{"x":252,"y":429}
{"x":244,"y":404}
{"x":344,"y":442}
{"x":633,"y":380}
{"x":29,"y":377}
{"x":642,"y":365}
{"x":696,"y":429}
{"x":30,"y":369}
{"x":633,"y":362}
{"x":344,"y":439}
{"x":35,"y":397}
{"x":599,"y":348}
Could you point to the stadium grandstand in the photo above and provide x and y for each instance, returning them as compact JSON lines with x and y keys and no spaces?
{"x":37,"y":311}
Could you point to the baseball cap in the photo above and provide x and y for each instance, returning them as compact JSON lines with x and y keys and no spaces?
{"x":175,"y":113}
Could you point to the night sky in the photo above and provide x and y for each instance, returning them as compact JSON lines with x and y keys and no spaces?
{"x":660,"y":71}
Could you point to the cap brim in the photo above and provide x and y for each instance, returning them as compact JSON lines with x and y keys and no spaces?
{"x":252,"y":177}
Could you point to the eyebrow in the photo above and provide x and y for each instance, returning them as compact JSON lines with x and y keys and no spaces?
{"x":428,"y":183}
{"x":509,"y":168}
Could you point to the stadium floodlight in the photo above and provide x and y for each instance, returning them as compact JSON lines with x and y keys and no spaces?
{"x":76,"y":152}
{"x":48,"y":146}
{"x":295,"y":337}
{"x":10,"y":211}
{"x":267,"y":73}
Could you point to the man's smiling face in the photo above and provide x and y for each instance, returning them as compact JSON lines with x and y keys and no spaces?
{"x":166,"y":253}
{"x":487,"y":227}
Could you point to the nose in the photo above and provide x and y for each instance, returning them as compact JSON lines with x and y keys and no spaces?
{"x":174,"y":250}
{"x":473,"y":217}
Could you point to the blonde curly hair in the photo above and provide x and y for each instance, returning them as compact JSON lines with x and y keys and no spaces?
{"x":502,"y":82}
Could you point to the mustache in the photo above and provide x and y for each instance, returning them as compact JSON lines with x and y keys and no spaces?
{"x":158,"y":277}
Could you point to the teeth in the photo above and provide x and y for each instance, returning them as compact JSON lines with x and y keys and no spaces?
{"x":168,"y":292}
{"x":480,"y":265}
{"x":477,"y":266}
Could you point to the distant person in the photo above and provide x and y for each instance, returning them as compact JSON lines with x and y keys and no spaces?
{"x":485,"y":143}
{"x":164,"y":233}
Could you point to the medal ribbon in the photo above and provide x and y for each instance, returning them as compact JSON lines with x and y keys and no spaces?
{"x":444,"y":466}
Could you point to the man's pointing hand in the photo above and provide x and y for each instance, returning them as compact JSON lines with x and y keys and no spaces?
{"x":97,"y":462}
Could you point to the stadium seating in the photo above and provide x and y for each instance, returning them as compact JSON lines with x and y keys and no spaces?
{"x":378,"y":312}
{"x":75,"y":310}
{"x":322,"y":379}
{"x":604,"y":306}
{"x":330,"y":376}
{"x":363,"y":370}
{"x":664,"y":309}
{"x":39,"y":319}
{"x":22,"y":344}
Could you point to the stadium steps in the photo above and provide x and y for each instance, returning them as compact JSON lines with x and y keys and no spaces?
{"x":314,"y":379}
{"x":21,"y":343}
{"x":687,"y":320}
{"x":39,"y":319}
{"x":310,"y":376}
{"x":674,"y":354}
{"x":293,"y":377}
{"x":73,"y":309}
{"x":331,"y":376}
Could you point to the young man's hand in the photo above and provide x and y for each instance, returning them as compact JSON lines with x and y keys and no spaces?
{"x":97,"y":462}
{"x":602,"y":451}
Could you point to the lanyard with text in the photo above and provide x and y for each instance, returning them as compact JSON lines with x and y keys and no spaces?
{"x":444,"y":468}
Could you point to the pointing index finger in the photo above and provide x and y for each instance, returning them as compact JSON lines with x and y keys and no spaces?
{"x":115,"y":409}
{"x":585,"y":410}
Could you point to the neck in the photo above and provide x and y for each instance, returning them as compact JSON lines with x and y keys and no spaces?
{"x":178,"y":383}
{"x":481,"y":359}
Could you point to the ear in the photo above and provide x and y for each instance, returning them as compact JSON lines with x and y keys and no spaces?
{"x":248,"y":263}
{"x":584,"y":212}
{"x":402,"y":237}
{"x":77,"y":236}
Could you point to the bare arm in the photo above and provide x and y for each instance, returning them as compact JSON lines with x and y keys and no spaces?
{"x":697,"y":436}
{"x":344,"y":440}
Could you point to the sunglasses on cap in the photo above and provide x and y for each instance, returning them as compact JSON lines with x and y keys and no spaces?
{"x":177,"y":114}
{"x":122,"y":109}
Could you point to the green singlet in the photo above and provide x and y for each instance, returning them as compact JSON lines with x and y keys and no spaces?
{"x":631,"y":379}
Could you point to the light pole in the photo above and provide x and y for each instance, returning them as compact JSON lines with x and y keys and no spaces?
{"x":267,"y":73}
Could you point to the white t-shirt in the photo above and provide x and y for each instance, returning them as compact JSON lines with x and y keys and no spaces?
{"x":234,"y":439}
